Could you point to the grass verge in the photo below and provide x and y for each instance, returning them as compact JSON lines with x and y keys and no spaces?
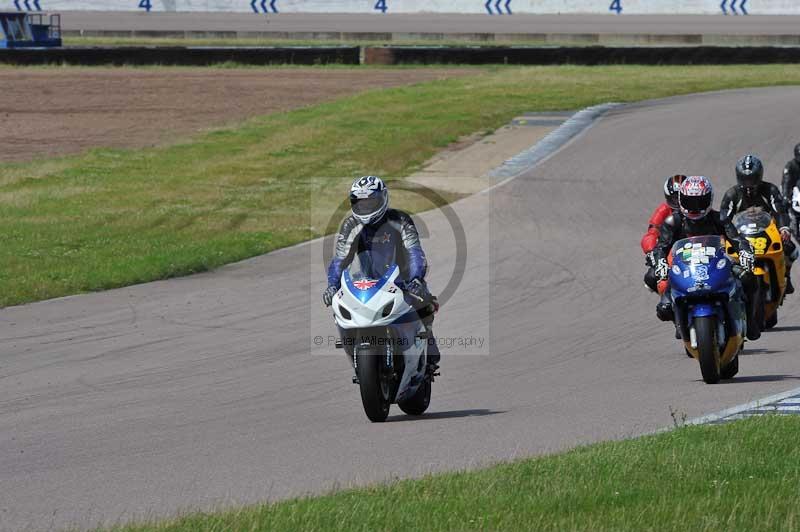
{"x":739,"y":476}
{"x":110,"y":218}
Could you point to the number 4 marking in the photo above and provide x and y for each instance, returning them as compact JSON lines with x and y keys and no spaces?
{"x":145,"y":4}
{"x":616,"y":5}
{"x":381,"y":6}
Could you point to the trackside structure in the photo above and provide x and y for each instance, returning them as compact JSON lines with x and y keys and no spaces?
{"x":24,"y":30}
{"x":387,"y":7}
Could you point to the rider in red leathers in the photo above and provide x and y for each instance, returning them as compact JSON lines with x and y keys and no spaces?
{"x":650,"y":238}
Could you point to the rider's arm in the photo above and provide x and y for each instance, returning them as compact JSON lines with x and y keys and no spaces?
{"x":739,"y":242}
{"x":417,"y":262}
{"x":650,"y":238}
{"x":789,"y":180}
{"x":343,"y":250}
{"x":779,"y":207}
{"x":667,"y":236}
{"x":728,"y":207}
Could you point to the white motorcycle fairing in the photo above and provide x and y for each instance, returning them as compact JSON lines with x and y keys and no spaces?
{"x":371,"y":303}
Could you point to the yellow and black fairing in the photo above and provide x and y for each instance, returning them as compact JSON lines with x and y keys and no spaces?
{"x":760,"y":229}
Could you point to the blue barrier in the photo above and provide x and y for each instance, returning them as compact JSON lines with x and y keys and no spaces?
{"x":23,"y":30}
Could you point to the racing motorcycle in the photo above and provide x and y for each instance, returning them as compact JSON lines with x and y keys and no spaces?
{"x":384,"y":338}
{"x":760,"y":229}
{"x":709,"y":307}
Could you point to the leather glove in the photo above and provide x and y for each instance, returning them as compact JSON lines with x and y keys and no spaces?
{"x":650,"y":259}
{"x":785,"y":235}
{"x":747,"y":260}
{"x":662,"y":269}
{"x":327,"y":295}
{"x":417,"y":289}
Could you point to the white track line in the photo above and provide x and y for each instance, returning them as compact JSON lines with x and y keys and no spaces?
{"x":758,"y":403}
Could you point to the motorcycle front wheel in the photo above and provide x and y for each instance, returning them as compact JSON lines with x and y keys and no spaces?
{"x":706,"y":330}
{"x":375,"y":387}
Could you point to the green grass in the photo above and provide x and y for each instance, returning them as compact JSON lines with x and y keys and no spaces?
{"x":741,"y":476}
{"x":111,"y":218}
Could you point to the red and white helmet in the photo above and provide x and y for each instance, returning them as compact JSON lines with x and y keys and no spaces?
{"x":695,"y":197}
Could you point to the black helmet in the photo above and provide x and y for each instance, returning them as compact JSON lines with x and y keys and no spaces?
{"x":749,"y":172}
{"x":671,"y":186}
{"x":797,"y":153}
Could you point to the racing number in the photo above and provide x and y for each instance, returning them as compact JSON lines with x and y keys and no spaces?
{"x":759,"y":244}
{"x":616,"y":5}
{"x":381,"y":6}
{"x":145,"y":4}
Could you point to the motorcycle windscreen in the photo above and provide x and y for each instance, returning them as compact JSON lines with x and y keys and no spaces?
{"x":367,"y":275}
{"x":752,"y":221}
{"x":699,"y":264}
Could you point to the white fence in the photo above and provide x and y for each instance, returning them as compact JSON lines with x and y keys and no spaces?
{"x":387,"y":7}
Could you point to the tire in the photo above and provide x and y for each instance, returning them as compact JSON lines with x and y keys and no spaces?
{"x":760,"y":309}
{"x":375,"y":394}
{"x":772,"y":321}
{"x":729,"y":371}
{"x":706,"y":328}
{"x":418,"y":404}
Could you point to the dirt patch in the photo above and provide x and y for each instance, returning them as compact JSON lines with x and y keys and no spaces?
{"x":47,"y":112}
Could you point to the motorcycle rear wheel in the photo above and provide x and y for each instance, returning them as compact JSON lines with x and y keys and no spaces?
{"x":419,"y":402}
{"x":375,"y":393}
{"x":706,"y":329}
{"x":772,"y":321}
{"x":729,"y":371}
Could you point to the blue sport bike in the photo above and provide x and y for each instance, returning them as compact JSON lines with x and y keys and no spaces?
{"x":709,"y":305}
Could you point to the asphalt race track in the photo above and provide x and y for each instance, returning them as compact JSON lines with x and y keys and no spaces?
{"x":202,"y":391}
{"x":433,"y":23}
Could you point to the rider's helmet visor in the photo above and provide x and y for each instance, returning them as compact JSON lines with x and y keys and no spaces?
{"x":695,"y":204}
{"x":365,"y":206}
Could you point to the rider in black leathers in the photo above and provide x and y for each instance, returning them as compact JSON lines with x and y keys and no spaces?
{"x":791,"y":179}
{"x":752,"y":191}
{"x":697,"y":218}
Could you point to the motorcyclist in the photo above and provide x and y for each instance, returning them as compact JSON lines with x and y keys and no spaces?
{"x":791,"y":179}
{"x":752,"y":191}
{"x":696,"y":217}
{"x":650,"y":238}
{"x":392,"y":238}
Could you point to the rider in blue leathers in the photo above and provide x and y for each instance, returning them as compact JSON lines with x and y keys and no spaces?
{"x":392,"y":238}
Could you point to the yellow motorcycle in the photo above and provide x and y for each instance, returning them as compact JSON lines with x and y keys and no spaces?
{"x":760,"y":229}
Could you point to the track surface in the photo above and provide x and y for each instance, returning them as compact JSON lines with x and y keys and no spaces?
{"x":201,"y":391}
{"x":434,"y":23}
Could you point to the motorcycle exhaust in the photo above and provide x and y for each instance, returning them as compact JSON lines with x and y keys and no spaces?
{"x":693,"y":337}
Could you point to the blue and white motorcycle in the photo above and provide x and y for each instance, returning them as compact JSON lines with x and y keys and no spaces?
{"x":709,"y":305}
{"x":384,"y":338}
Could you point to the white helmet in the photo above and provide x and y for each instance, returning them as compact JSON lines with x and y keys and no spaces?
{"x":369,"y":199}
